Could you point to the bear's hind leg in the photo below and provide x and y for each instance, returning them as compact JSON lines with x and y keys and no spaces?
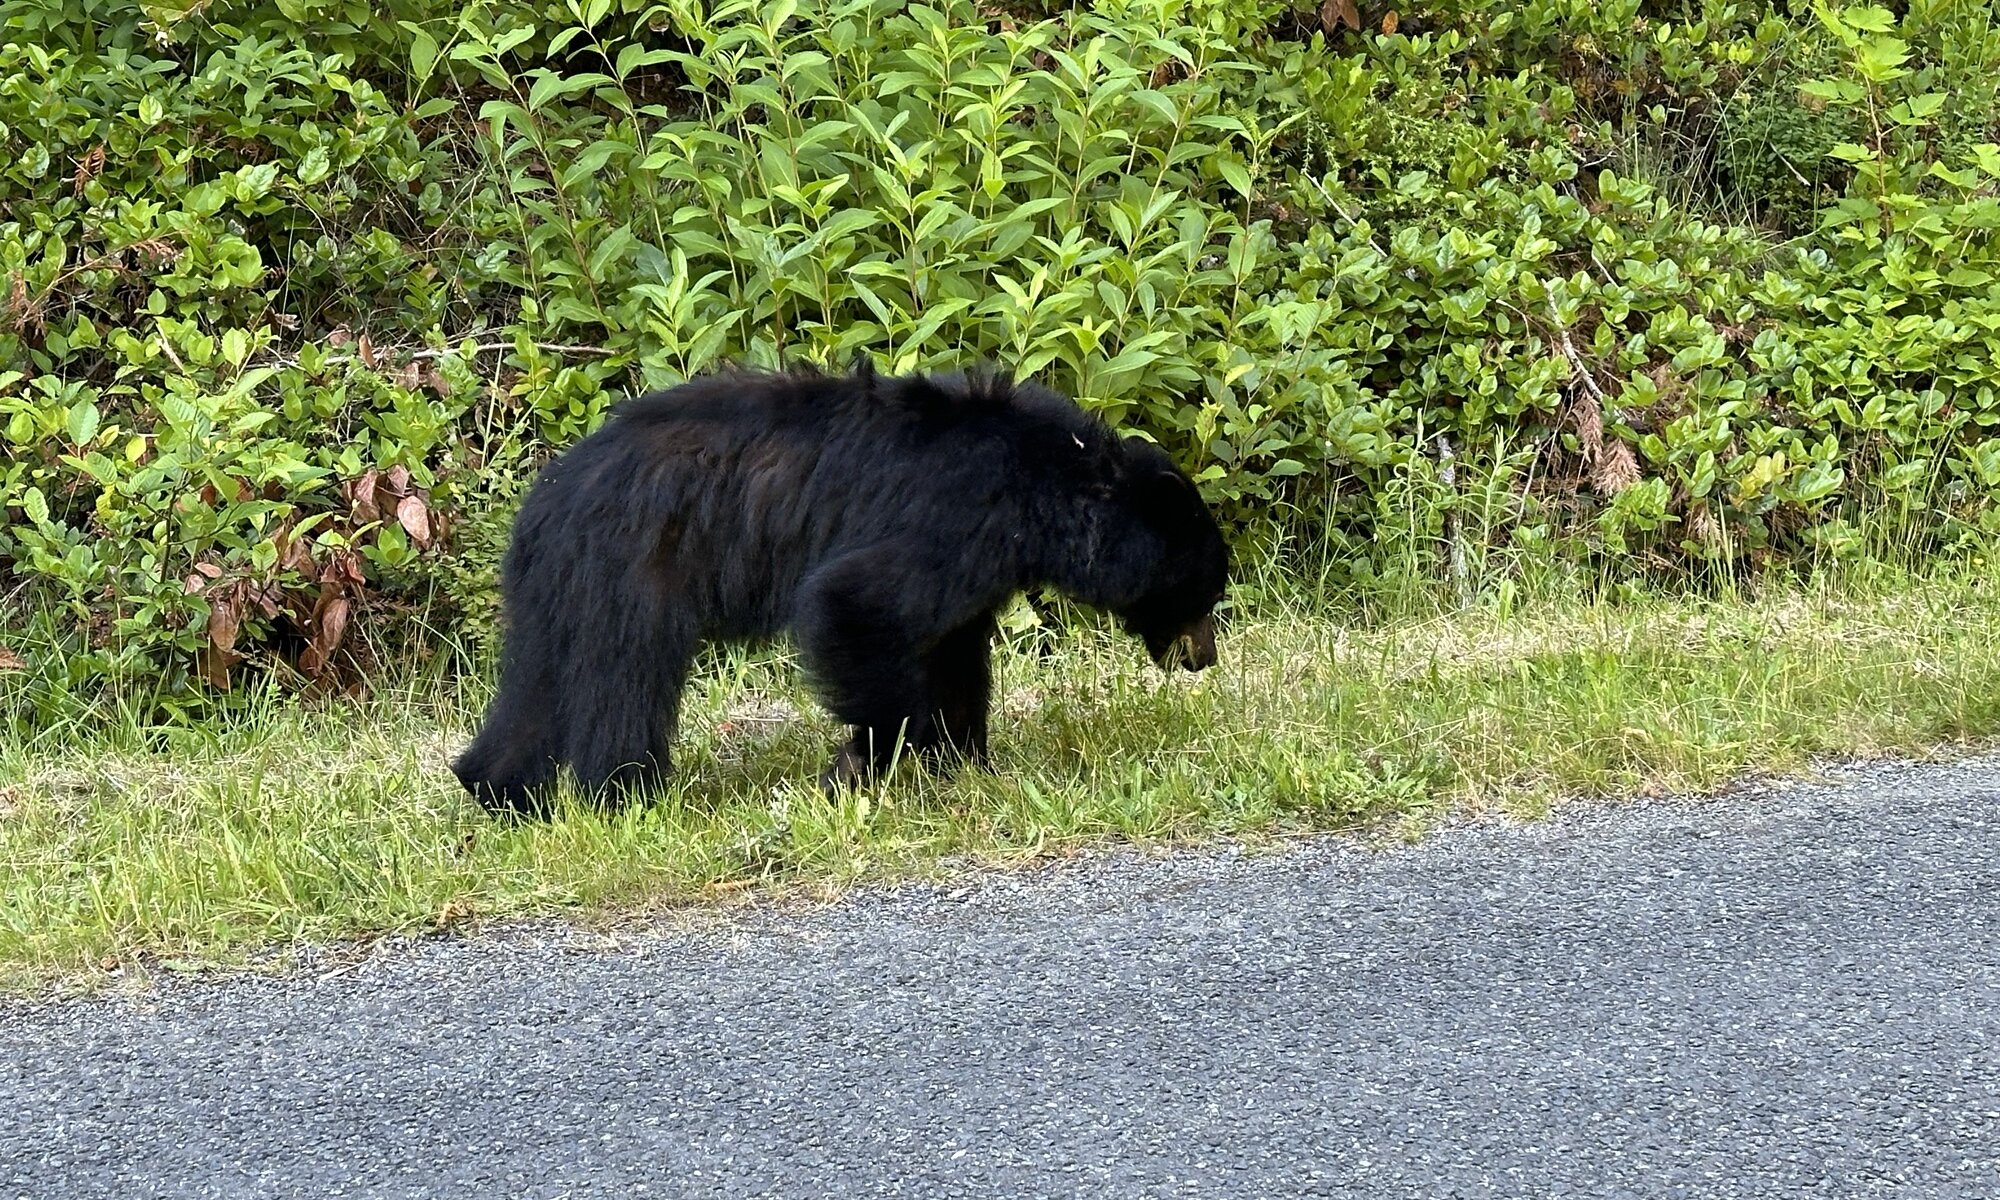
{"x":622,"y":702}
{"x":512,"y":760}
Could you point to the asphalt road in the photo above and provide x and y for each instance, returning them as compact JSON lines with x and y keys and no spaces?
{"x":1787,"y":993}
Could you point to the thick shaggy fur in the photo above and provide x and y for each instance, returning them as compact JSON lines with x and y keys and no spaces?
{"x":880,"y":520}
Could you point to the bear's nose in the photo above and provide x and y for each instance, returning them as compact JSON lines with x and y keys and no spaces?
{"x":1198,"y":645}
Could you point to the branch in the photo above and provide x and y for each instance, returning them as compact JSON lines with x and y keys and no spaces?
{"x":1348,"y":217}
{"x":386,"y":354}
{"x":490,"y":347}
{"x":1583,"y":374}
{"x":1455,"y":545}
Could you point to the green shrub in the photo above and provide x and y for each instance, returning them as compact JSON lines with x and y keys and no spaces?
{"x":295,"y":296}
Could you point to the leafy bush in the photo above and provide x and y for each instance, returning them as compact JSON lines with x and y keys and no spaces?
{"x":295,"y":296}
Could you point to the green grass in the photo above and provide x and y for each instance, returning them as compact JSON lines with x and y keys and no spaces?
{"x":128,"y":848}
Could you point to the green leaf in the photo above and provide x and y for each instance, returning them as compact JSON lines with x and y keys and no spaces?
{"x":1867,"y":18}
{"x":848,"y":221}
{"x":423,"y":51}
{"x":610,"y":252}
{"x":1817,"y":481}
{"x":1129,"y":360}
{"x":254,"y":182}
{"x":1967,"y":179}
{"x":1834,"y":91}
{"x":1236,"y":174}
{"x":82,"y":422}
{"x":1159,"y":103}
{"x":35,"y":505}
{"x":1917,"y":110}
{"x":632,"y":56}
{"x":314,"y":167}
{"x":1880,"y":59}
{"x":592,"y":160}
{"x":551,"y":86}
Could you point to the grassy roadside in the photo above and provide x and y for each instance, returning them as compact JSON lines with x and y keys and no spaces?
{"x":124,"y":848}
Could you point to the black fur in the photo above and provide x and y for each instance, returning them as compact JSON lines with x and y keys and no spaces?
{"x":881,"y":520}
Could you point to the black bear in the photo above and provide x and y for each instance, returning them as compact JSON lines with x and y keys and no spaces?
{"x":882,"y":520}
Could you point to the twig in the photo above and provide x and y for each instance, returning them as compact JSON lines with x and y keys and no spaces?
{"x":167,"y":344}
{"x":1346,"y":216}
{"x":397,"y":353}
{"x":1583,"y":374}
{"x":1455,"y":545}
{"x":489,"y":347}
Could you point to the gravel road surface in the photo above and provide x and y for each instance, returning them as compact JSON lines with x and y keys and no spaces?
{"x":1785,"y":992}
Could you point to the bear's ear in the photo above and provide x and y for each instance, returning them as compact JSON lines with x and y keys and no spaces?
{"x":864,"y":368}
{"x":1145,"y":466}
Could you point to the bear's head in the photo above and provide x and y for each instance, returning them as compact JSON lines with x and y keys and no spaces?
{"x":1174,"y":614}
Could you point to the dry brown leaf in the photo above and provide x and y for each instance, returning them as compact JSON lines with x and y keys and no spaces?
{"x":333,"y":625}
{"x":297,"y":555}
{"x":438,"y":383}
{"x":10,"y":661}
{"x":225,"y":617}
{"x":20,"y":312}
{"x":1704,"y":527}
{"x":155,"y":252}
{"x":1616,"y":469}
{"x":454,"y":912}
{"x":1389,"y":22}
{"x":1613,"y":466}
{"x":87,"y":168}
{"x":1334,"y":14}
{"x":331,"y":628}
{"x":214,"y":665}
{"x":364,"y":349}
{"x":267,"y":599}
{"x":1589,"y":428}
{"x":409,"y":376}
{"x":415,"y":519}
{"x":399,"y":481}
{"x":341,"y":336}
{"x":361,"y":496}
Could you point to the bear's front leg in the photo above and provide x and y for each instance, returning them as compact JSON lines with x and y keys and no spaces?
{"x":892,"y":648}
{"x":958,"y":677}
